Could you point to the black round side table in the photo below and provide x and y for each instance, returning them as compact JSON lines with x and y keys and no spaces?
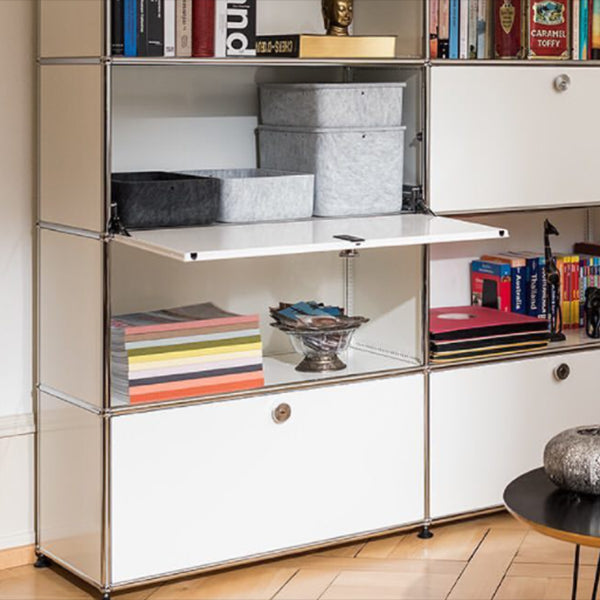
{"x":568,"y":516}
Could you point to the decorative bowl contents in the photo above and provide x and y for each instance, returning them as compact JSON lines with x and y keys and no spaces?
{"x":317,"y":331}
{"x":572,"y":459}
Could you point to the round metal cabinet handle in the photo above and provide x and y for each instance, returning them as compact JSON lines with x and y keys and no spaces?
{"x":281,"y":413}
{"x":562,"y":83}
{"x":562,"y":372}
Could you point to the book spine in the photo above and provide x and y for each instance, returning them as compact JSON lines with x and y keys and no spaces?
{"x":508,"y":28}
{"x":130,"y":27}
{"x":183,"y":28}
{"x":482,"y":28}
{"x":169,"y":34}
{"x":595,"y":42}
{"x":434,"y":15}
{"x":535,"y":289}
{"x":241,"y":28}
{"x":155,"y":28}
{"x":567,"y":291}
{"x":454,"y":31}
{"x":142,"y":27}
{"x":564,"y":306}
{"x":472,"y":42}
{"x":517,"y":282}
{"x":583,"y":29}
{"x":575,"y":21}
{"x":582,"y":288}
{"x":284,"y":46}
{"x":203,"y":28}
{"x":590,"y":24}
{"x":576,"y":293}
{"x":444,"y":29}
{"x":463,"y":34}
{"x":116,"y":27}
{"x":221,"y":28}
{"x":548,"y":26}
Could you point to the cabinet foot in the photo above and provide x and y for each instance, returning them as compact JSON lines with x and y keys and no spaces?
{"x":42,"y":562}
{"x":425,"y":533}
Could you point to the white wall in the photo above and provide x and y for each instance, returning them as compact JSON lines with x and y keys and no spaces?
{"x":17,"y":168}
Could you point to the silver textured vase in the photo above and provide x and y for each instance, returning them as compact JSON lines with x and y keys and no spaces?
{"x":572,"y":459}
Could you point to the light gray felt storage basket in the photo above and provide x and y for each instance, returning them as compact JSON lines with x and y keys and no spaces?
{"x":357,"y":171}
{"x":250,"y":195}
{"x":332,"y":104}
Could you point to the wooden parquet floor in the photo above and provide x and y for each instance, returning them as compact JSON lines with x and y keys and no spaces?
{"x":488,"y":558}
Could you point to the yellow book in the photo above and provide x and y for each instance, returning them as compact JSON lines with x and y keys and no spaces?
{"x":302,"y":45}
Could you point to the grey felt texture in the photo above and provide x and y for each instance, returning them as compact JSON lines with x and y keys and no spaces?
{"x":332,"y":104}
{"x":151,"y":199}
{"x":250,"y":195}
{"x":357,"y":171}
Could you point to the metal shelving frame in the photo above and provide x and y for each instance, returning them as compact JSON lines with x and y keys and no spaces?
{"x":107,"y":412}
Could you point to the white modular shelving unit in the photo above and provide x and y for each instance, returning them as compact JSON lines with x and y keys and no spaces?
{"x":129,"y":494}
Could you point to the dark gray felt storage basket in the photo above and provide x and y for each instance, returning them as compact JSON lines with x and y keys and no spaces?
{"x":151,"y":199}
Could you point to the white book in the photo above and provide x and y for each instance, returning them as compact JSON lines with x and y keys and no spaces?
{"x":473,"y":6}
{"x":575,"y":17}
{"x":483,"y":29}
{"x":169,"y":21}
{"x":463,"y":47}
{"x":221,"y":28}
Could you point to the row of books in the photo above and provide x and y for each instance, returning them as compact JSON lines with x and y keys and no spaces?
{"x":184,"y":352}
{"x":537,"y":29}
{"x":183,"y":28}
{"x":516,"y":282}
{"x":470,"y":332}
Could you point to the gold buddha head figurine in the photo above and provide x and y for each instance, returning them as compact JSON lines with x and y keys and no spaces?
{"x":337,"y":15}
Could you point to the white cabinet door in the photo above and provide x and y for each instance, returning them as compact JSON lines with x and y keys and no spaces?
{"x":490,"y":424}
{"x":203,"y":484}
{"x":504,"y":137}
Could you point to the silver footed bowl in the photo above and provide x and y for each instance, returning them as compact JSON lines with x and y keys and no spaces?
{"x":572,"y":459}
{"x":320,"y":348}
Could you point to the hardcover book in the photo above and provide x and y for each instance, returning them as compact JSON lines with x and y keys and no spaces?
{"x":155,"y":36}
{"x":444,"y":29}
{"x":169,"y":35}
{"x":508,"y":28}
{"x":325,"y":46}
{"x":130,"y":9}
{"x":183,"y":28}
{"x":595,"y":23}
{"x":434,"y":14}
{"x":454,"y":32}
{"x":203,"y":28}
{"x":117,"y":23}
{"x":142,"y":24}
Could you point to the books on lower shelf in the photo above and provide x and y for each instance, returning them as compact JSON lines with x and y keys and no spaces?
{"x":184,"y":352}
{"x":516,"y":282}
{"x":469,"y":332}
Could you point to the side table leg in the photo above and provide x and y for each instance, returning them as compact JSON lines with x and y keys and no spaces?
{"x":596,"y":578}
{"x":575,"y":573}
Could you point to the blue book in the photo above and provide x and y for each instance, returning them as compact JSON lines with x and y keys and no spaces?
{"x":130,"y":27}
{"x":454,"y":27}
{"x":583,"y":30}
{"x":536,"y":297}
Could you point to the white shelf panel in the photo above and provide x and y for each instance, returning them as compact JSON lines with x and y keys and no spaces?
{"x":280,"y":372}
{"x":281,"y":369}
{"x":298,"y":237}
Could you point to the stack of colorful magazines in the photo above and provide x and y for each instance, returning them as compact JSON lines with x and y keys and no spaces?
{"x":470,"y":332}
{"x":184,"y":352}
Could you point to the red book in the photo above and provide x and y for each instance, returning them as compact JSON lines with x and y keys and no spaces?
{"x":203,"y":28}
{"x":508,"y":28}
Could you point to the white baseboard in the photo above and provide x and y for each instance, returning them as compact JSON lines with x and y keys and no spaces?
{"x":16,"y":477}
{"x":14,"y":425}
